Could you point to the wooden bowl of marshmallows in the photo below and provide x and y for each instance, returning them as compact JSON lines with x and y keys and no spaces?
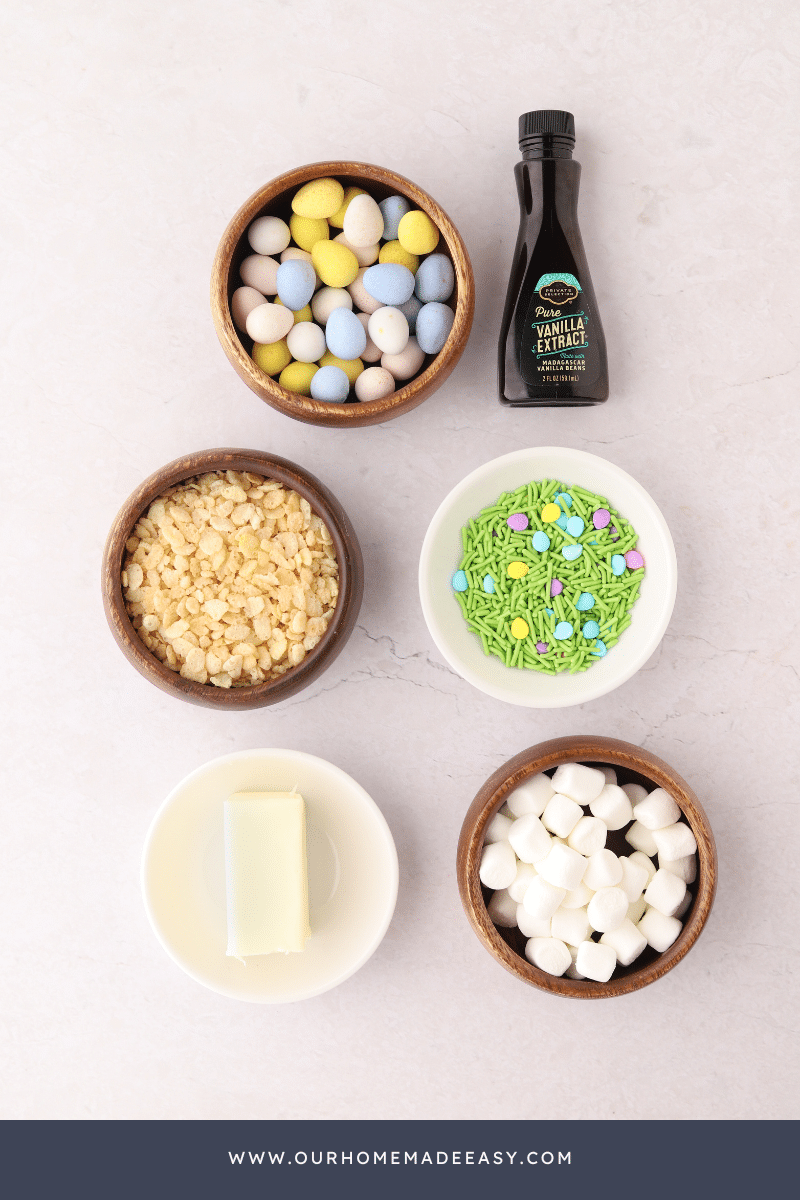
{"x":587,"y":867}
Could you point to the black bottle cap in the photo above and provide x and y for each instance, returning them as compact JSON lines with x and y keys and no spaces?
{"x":546,"y":121}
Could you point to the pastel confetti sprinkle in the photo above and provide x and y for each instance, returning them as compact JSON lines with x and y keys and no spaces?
{"x":556,"y":587}
{"x":540,"y":541}
{"x":519,"y":628}
{"x":549,"y":612}
{"x":572,"y":552}
{"x":460,"y":583}
{"x":600,"y":518}
{"x":517,"y":569}
{"x":564,"y":499}
{"x":488,"y":584}
{"x":517,"y":521}
{"x":542,"y":647}
{"x":591,"y":629}
{"x":575,"y":526}
{"x":599,"y":649}
{"x":617,"y":564}
{"x":584,"y":602}
{"x":562,"y":631}
{"x":551,"y":512}
{"x":562,"y":522}
{"x":634,"y":560}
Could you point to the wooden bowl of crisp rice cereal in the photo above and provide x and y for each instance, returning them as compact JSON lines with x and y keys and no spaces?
{"x":231,"y":578}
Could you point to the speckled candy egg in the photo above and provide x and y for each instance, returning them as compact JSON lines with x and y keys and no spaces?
{"x":374,"y":384}
{"x":388,"y":329}
{"x":326,"y":300}
{"x":407,"y":363}
{"x":330,"y":384}
{"x":394,"y":208}
{"x":307,"y":231}
{"x":360,"y":296}
{"x":295,"y":281}
{"x":435,"y":279}
{"x":306,"y":342}
{"x":269,"y":323}
{"x":363,"y":221}
{"x":259,"y":271}
{"x":417,"y":232}
{"x":370,"y":353}
{"x":434,"y":322}
{"x":269,"y":235}
{"x":391,"y":283}
{"x":344,"y":334}
{"x":318,"y":198}
{"x":272,"y":358}
{"x":294,"y":252}
{"x":337,"y":220}
{"x":243,"y":301}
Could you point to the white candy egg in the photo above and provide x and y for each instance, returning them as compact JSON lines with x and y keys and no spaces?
{"x":407,"y":362}
{"x":269,"y":323}
{"x":306,"y":342}
{"x":388,"y":329}
{"x":269,"y":235}
{"x":374,"y":384}
{"x":361,"y":296}
{"x":243,"y":301}
{"x":371,"y":353}
{"x":260,"y":272}
{"x":365,"y":255}
{"x":326,"y":300}
{"x":363,"y":221}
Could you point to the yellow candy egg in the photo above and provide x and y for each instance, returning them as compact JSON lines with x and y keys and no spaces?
{"x":337,"y":220}
{"x":352,"y":367}
{"x":318,"y":198}
{"x":519,"y":628}
{"x":307,"y":231}
{"x":273,"y":358}
{"x":417,"y":232}
{"x":396,"y":253}
{"x":551,"y":512}
{"x":302,"y":314}
{"x":334,"y":263}
{"x":517,"y":570}
{"x":297,"y":377}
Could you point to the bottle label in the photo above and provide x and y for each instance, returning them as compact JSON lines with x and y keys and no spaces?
{"x":556,"y":333}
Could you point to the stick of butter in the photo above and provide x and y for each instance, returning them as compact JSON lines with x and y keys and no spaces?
{"x":265,"y":873}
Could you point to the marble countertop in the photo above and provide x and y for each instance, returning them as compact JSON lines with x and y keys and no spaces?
{"x":128,"y":141}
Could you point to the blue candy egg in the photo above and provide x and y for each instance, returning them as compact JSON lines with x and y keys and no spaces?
{"x":391,"y":283}
{"x":617,"y":564}
{"x":331,"y":384}
{"x":564,"y":499}
{"x":345,"y":336}
{"x":600,"y":650}
{"x":394,"y":208}
{"x":540,"y":541}
{"x":575,"y":526}
{"x":434,"y":322}
{"x":584,"y":601}
{"x":572,"y":552}
{"x":295,"y":280}
{"x":435,"y":278}
{"x":410,"y":311}
{"x":488,"y":584}
{"x":562,"y":631}
{"x":460,"y":583}
{"x":591,"y":629}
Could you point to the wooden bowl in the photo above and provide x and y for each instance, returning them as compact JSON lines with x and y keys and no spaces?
{"x":633,"y":765}
{"x":275,"y":199}
{"x":323,"y":503}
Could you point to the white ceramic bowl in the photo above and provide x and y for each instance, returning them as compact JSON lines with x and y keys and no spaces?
{"x":441,"y":554}
{"x":352,"y":876}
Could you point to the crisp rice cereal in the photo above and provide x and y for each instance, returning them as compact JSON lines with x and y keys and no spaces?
{"x":230,"y":579}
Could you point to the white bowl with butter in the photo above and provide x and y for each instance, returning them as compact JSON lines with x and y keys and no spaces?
{"x":352,"y":876}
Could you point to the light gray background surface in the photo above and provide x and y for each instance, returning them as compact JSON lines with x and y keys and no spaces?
{"x":128,"y":140}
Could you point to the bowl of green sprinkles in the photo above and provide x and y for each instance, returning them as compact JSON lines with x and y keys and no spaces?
{"x":547,"y":577}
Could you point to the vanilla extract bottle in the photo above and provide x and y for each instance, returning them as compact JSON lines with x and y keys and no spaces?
{"x":552,"y":351}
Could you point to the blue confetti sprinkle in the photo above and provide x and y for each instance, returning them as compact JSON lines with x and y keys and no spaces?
{"x":564,"y":499}
{"x":572,"y":552}
{"x":575,"y":526}
{"x":488,"y":584}
{"x":599,"y":650}
{"x":562,"y":631}
{"x":562,"y":521}
{"x":617,"y":564}
{"x":549,"y":612}
{"x":460,"y":583}
{"x":540,"y":541}
{"x":591,"y":629}
{"x":584,"y":601}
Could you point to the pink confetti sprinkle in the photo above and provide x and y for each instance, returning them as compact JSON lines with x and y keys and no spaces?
{"x":541,"y":647}
{"x":517,"y":521}
{"x":556,"y":587}
{"x":634,"y":560}
{"x":600,"y":518}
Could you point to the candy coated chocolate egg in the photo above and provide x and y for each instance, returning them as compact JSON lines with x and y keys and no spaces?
{"x":295,"y":281}
{"x":259,"y":271}
{"x":269,"y":235}
{"x":405,"y":364}
{"x":337,"y":220}
{"x":269,"y":323}
{"x":344,"y":334}
{"x":391,"y":283}
{"x":374,"y":384}
{"x":297,"y":377}
{"x":243,"y":301}
{"x":318,"y":198}
{"x":306,"y":342}
{"x":326,"y":300}
{"x":302,"y":314}
{"x":410,"y":311}
{"x":370,"y":353}
{"x":388,"y":329}
{"x":360,"y":296}
{"x":334,"y":263}
{"x":417,"y":232}
{"x":272,"y":358}
{"x":394,"y":208}
{"x":363,"y":221}
{"x":434,"y":322}
{"x":394,"y":252}
{"x":307,"y":231}
{"x":352,"y":367}
{"x":435,"y":279}
{"x":330,"y":384}
{"x":365,"y":255}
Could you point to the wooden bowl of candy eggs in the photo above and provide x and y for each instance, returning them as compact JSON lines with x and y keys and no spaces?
{"x":395,"y":237}
{"x":594,"y":893}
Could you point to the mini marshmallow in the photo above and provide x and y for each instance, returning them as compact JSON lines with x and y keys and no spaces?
{"x":588,"y":836}
{"x":563,"y":867}
{"x":684,"y":868}
{"x":497,"y":829}
{"x":665,"y":892}
{"x":659,"y":930}
{"x":634,"y":791}
{"x":607,"y":909}
{"x":542,"y":899}
{"x":529,"y":838}
{"x":502,"y":909}
{"x":530,"y":926}
{"x":674,"y":841}
{"x":612,"y":806}
{"x":637,"y":910}
{"x":604,"y":870}
{"x":596,"y":961}
{"x":579,"y":897}
{"x":642,"y":860}
{"x":626,"y":941}
{"x":682,"y":908}
{"x":570,"y":925}
{"x":580,"y":783}
{"x":640,"y":837}
{"x":548,"y":954}
{"x":634,"y":879}
{"x":526,"y":873}
{"x":561,"y":815}
{"x":531,"y":796}
{"x":609,"y":774}
{"x":498,"y":866}
{"x":657,"y":810}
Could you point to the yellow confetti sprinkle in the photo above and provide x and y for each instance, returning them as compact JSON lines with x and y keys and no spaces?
{"x":551,"y":512}
{"x":517,"y":569}
{"x":519,"y":628}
